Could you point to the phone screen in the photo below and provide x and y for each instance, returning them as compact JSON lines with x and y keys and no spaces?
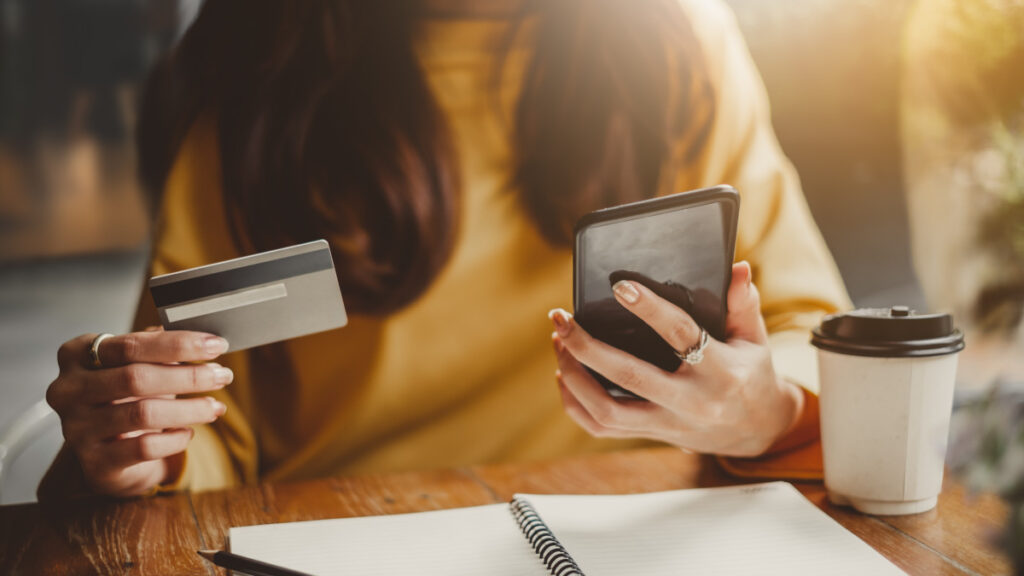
{"x":682,"y":253}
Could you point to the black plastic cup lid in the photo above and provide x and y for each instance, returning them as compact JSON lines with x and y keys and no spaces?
{"x":895,"y":332}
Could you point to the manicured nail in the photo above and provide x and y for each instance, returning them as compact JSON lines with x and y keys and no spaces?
{"x":624,"y":289}
{"x":562,"y":320}
{"x":219,"y":408}
{"x":222,"y":375}
{"x":215,"y":345}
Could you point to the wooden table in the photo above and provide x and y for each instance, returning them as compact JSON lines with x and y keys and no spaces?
{"x":160,"y":535}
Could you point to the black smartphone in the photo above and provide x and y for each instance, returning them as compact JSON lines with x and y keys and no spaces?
{"x":680,"y":246}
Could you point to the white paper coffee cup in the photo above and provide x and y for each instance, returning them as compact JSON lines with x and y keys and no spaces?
{"x":887,"y":378}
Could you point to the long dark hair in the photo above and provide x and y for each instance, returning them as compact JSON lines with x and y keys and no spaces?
{"x":327,"y":127}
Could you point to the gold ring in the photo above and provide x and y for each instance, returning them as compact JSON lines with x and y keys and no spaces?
{"x":695,"y":354}
{"x":94,"y":350}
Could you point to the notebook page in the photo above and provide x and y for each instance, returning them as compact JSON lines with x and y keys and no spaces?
{"x":759,"y":529}
{"x":462,"y":541}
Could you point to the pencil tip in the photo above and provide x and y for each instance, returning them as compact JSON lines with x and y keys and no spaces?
{"x":208,"y":554}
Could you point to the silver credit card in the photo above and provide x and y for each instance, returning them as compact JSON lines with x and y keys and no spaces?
{"x":254,"y":300}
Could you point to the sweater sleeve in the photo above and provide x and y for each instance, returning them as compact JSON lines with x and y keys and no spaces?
{"x":223,"y":453}
{"x":793,"y":270}
{"x":189,"y":233}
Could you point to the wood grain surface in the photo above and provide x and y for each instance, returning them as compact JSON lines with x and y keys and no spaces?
{"x":159,"y":536}
{"x":101,"y":536}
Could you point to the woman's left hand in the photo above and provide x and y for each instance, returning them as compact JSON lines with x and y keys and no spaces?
{"x":732,"y":403}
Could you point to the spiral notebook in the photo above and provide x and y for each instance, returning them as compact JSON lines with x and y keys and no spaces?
{"x":762,"y":528}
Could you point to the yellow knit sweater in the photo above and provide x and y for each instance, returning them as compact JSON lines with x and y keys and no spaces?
{"x":464,"y":375}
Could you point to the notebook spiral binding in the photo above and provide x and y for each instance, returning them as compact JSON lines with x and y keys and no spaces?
{"x":557,"y":559}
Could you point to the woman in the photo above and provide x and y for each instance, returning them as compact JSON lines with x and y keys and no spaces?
{"x":445,"y":151}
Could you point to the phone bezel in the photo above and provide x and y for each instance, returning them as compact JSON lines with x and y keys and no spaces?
{"x":724,"y":194}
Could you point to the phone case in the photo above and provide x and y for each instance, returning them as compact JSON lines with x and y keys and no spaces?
{"x":619,"y":327}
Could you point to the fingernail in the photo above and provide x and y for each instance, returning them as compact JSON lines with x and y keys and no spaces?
{"x":219,"y":408}
{"x":222,"y":375}
{"x":624,"y":289}
{"x":750,"y":272}
{"x":562,"y":320}
{"x":215,"y":345}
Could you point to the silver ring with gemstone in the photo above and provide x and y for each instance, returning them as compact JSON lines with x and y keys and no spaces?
{"x":695,"y":354}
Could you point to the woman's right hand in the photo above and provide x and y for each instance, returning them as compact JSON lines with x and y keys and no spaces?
{"x":123,"y":421}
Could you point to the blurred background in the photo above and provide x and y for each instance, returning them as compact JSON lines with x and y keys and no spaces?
{"x":852,"y":108}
